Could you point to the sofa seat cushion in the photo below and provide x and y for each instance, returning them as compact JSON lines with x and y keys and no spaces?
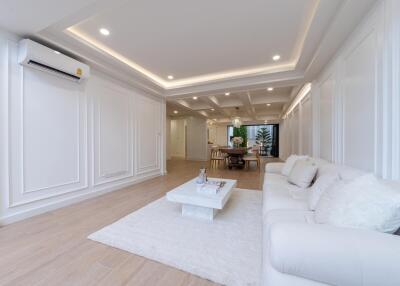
{"x":274,"y":179}
{"x":333,"y":255}
{"x":282,"y":197}
{"x":282,"y":215}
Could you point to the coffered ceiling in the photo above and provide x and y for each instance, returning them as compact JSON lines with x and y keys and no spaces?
{"x":257,"y":105}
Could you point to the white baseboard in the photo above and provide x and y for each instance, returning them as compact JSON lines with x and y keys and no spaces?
{"x":91,"y":193}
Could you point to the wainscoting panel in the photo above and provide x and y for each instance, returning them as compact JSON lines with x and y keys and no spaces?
{"x":48,"y":130}
{"x":326,"y":118}
{"x":65,"y":141}
{"x":295,"y":128}
{"x":359,"y":104}
{"x":112,"y":130}
{"x":306,"y":125}
{"x":148,"y":134}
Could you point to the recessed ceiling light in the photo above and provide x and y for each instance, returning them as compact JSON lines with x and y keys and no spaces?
{"x":57,"y":52}
{"x":170,"y":77}
{"x":195,"y":97}
{"x":270,"y":89}
{"x":276,"y":57}
{"x":212,"y":109}
{"x":176,"y":111}
{"x":268,"y":104}
{"x":104,"y":31}
{"x":227,"y":93}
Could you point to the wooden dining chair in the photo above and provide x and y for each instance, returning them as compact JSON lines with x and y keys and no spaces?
{"x":252,"y":158}
{"x":216,"y":158}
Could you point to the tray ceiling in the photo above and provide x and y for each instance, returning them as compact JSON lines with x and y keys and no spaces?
{"x":198,"y":41}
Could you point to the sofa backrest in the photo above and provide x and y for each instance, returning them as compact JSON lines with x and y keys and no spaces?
{"x":346,"y":173}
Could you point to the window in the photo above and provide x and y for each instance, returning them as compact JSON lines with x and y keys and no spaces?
{"x":252,"y":131}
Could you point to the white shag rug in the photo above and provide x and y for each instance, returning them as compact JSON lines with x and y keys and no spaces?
{"x":227,"y":251}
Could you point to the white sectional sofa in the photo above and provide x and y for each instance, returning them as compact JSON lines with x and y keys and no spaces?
{"x":298,"y":252}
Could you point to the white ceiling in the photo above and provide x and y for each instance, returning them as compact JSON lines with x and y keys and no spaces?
{"x":196,"y":38}
{"x":210,"y":47}
{"x":251,"y":105}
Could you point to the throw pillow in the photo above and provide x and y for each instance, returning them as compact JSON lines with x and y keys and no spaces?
{"x":319,"y":187}
{"x":303,"y":173}
{"x":289,"y":164}
{"x":365,"y":202}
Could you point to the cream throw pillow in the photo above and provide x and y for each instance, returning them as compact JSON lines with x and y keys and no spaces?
{"x":365,"y":202}
{"x":289,"y":164}
{"x":320,"y":186}
{"x":303,"y":173}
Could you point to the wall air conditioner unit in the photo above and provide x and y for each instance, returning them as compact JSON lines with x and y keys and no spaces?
{"x":37,"y":56}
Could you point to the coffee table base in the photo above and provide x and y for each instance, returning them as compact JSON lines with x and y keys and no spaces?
{"x":198,"y":212}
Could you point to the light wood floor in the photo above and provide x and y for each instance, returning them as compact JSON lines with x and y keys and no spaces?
{"x":52,"y":249}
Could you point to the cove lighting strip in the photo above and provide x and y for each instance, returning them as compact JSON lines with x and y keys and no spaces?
{"x":302,"y":93}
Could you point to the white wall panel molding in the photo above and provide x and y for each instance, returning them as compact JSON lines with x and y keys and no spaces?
{"x":390,"y":86}
{"x":112,"y":125}
{"x":306,"y":125}
{"x":148,"y":124}
{"x":45,"y":163}
{"x":356,"y":99}
{"x":4,"y":123}
{"x":58,"y":134}
{"x":316,"y":118}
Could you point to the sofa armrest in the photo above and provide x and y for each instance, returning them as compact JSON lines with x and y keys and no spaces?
{"x":335,"y":256}
{"x":274,"y":168}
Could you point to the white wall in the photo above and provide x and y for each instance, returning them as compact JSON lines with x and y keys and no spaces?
{"x":197,"y":146}
{"x":218,"y":134}
{"x":355,"y":102}
{"x":177,"y":145}
{"x":63,"y":142}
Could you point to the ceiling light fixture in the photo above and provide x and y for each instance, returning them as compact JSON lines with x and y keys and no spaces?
{"x":227,"y":93}
{"x":212,"y":109}
{"x":176,"y":111}
{"x":276,"y":58}
{"x":270,"y":89}
{"x":268,"y":104}
{"x":170,"y":77}
{"x":104,"y":31}
{"x":236,"y":121}
{"x":195,"y":97}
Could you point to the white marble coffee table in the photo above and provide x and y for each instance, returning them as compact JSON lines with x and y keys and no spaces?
{"x":200,"y":205}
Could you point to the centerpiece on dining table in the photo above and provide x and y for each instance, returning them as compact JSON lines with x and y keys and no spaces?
{"x":237,"y":142}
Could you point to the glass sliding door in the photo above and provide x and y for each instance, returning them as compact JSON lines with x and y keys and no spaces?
{"x":271,"y":148}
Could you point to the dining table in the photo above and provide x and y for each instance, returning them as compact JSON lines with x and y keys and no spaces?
{"x":235,"y":156}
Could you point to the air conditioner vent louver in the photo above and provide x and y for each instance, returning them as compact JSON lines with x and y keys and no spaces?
{"x":45,"y":67}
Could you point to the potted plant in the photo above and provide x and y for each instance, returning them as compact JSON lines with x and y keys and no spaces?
{"x":264,"y":139}
{"x":241,"y":132}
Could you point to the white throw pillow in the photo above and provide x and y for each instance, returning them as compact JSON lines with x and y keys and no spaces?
{"x":303,"y":173}
{"x":320,"y":186}
{"x":365,"y":202}
{"x":288,"y":166}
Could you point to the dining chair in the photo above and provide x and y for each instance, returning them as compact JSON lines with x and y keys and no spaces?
{"x":216,"y":158}
{"x":252,"y":158}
